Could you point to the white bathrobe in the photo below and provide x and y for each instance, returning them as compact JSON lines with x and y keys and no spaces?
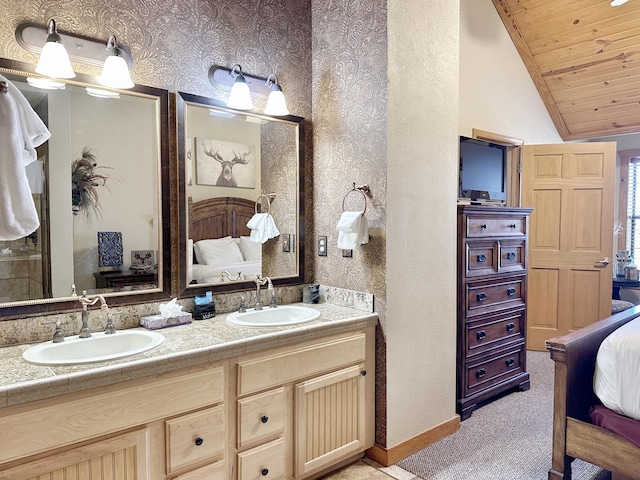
{"x":21,"y":131}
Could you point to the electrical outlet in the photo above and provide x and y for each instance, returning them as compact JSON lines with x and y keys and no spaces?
{"x":322,"y":246}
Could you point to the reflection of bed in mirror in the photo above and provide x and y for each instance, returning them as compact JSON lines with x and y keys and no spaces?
{"x":220,"y":238}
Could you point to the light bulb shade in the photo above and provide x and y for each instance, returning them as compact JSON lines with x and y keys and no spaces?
{"x":276,"y":103}
{"x":115,"y":73}
{"x":240,"y":96}
{"x":54,"y":61}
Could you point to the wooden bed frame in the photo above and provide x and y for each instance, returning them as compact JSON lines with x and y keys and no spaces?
{"x":220,"y":217}
{"x":574,"y":436}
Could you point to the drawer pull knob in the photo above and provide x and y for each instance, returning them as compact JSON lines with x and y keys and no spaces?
{"x":511,"y":255}
{"x":264,"y":419}
{"x":513,"y":225}
{"x":199,"y":441}
{"x":264,"y":472}
{"x":511,"y":291}
{"x":484,"y":225}
{"x":482,"y":258}
{"x":481,"y":373}
{"x":510,"y":326}
{"x":481,"y":334}
{"x":481,"y":297}
{"x":363,"y":373}
{"x":510,"y":362}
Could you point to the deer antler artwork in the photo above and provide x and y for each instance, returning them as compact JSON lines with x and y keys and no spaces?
{"x":226,"y":177}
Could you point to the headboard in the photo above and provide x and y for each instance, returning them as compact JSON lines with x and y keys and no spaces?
{"x":219,"y":217}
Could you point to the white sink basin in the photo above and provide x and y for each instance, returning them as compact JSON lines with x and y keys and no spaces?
{"x":271,"y":317}
{"x":98,"y":348}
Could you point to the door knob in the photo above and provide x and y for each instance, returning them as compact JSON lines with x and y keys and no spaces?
{"x":604,"y":262}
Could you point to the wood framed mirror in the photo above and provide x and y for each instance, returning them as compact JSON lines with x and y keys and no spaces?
{"x":231,"y":166}
{"x":126,"y":136}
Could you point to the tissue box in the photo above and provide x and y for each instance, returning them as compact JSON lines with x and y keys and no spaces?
{"x":154,"y":322}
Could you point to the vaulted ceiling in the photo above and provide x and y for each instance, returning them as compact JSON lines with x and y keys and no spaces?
{"x":584,"y":58}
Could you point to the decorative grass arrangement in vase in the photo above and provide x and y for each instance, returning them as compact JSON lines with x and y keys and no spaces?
{"x":85,"y":180}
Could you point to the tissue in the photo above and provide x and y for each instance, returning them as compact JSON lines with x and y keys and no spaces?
{"x":171,"y":314}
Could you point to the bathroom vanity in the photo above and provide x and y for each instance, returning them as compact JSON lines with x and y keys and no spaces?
{"x":215,"y":401}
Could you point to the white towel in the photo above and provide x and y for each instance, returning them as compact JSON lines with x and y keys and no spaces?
{"x":262,"y":228}
{"x":353,"y":230}
{"x":21,"y":131}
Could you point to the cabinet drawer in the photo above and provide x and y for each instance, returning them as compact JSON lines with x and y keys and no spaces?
{"x":499,"y":368}
{"x":263,"y":462}
{"x":487,"y":297}
{"x":194,"y":438}
{"x":215,"y":471}
{"x":481,"y":258}
{"x":261,"y":416}
{"x":488,"y":333}
{"x":289,"y":364}
{"x":512,"y":256}
{"x":503,"y":226}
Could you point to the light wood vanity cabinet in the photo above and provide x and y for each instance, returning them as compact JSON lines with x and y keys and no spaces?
{"x":305,"y":408}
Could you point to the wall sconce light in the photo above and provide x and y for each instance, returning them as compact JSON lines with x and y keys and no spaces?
{"x":54,"y":59}
{"x":240,"y":96}
{"x":276,"y":103}
{"x":115,"y":72}
{"x":37,"y":39}
{"x":262,"y":92}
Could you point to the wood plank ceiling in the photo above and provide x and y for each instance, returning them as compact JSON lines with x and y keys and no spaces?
{"x":584,"y":58}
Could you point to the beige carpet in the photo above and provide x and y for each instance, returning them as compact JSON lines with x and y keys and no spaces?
{"x":507,"y":439}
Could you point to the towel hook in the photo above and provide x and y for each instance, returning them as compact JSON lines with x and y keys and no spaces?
{"x":269,"y":197}
{"x":364,"y":191}
{"x":4,"y":88}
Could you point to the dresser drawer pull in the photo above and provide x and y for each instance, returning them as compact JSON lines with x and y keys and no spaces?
{"x":363,"y":373}
{"x":513,"y":225}
{"x":481,"y":334}
{"x":199,"y":441}
{"x":482,"y":258}
{"x":264,"y":419}
{"x":511,"y":291}
{"x":483,"y":226}
{"x":510,"y":362}
{"x":511,"y":256}
{"x":264,"y":472}
{"x":481,"y":297}
{"x":510,"y":326}
{"x":481,"y":373}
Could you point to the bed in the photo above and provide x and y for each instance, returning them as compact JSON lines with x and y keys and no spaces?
{"x":220,"y":237}
{"x":574,"y":434}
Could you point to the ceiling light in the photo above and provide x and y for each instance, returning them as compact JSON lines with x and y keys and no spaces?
{"x":240,"y":96}
{"x":115,"y":72}
{"x":276,"y":103}
{"x":54,"y":59}
{"x":616,"y":3}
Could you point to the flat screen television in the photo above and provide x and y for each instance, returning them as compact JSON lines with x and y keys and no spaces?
{"x":483,"y":170}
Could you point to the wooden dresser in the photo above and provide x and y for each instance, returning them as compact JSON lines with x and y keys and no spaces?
{"x":492,"y":299}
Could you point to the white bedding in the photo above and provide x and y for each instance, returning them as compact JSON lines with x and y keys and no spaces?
{"x":616,"y":380}
{"x":211,"y":273}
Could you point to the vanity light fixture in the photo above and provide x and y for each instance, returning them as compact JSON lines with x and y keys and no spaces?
{"x":54,"y":59}
{"x":276,"y":103}
{"x":240,"y":96}
{"x":45,"y":83}
{"x":115,"y":72}
{"x":100,"y":93}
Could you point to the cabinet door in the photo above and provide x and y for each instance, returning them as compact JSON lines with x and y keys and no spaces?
{"x":123,"y":457}
{"x":331,"y":419}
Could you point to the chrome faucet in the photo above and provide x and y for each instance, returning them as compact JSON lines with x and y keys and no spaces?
{"x":272,"y":303}
{"x":259,"y":282}
{"x":225,"y":273}
{"x":86,"y":300}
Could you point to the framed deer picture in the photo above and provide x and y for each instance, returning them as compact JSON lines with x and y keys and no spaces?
{"x":225,"y":164}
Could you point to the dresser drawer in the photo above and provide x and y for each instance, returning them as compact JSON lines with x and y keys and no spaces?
{"x":498,"y":368}
{"x":261,"y":416}
{"x":481,"y":258}
{"x":490,"y":332}
{"x":491,"y":296}
{"x":215,"y":471}
{"x":194,"y":438}
{"x":513,"y":254}
{"x":503,"y":226}
{"x":263,"y":462}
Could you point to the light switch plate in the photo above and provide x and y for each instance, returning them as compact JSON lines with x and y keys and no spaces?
{"x":322,"y":246}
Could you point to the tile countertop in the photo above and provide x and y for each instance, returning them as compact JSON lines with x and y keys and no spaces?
{"x":184,"y":346}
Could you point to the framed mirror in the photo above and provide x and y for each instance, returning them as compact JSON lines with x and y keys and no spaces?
{"x":102,"y":190}
{"x":237,"y":169}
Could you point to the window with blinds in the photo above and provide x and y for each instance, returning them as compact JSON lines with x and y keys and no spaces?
{"x":633,"y":209}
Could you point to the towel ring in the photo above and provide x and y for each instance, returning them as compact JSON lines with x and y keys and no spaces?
{"x":363,"y":190}
{"x":4,"y":88}
{"x":269,"y":197}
